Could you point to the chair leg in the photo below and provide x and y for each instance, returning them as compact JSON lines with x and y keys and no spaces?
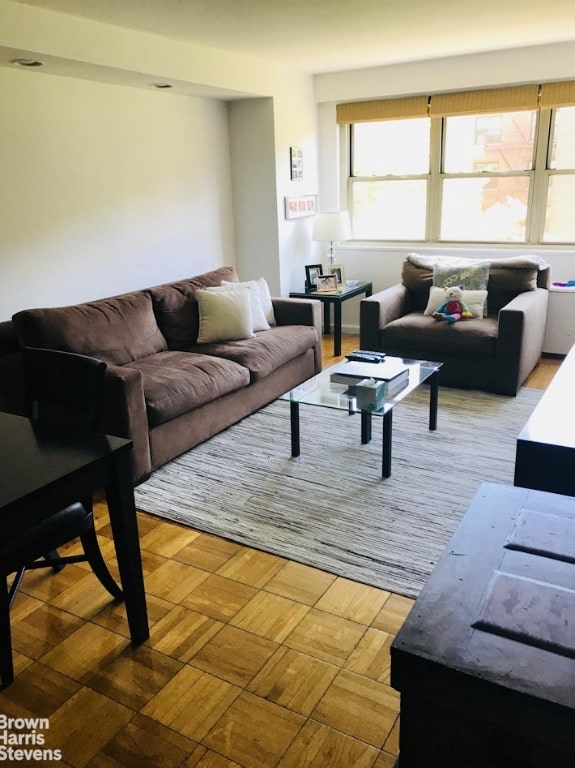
{"x":15,"y":586}
{"x":94,"y":557}
{"x":6,"y":664}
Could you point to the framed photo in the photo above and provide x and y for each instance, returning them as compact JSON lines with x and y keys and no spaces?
{"x":303,"y":205}
{"x":326,"y":283}
{"x":311,"y":273}
{"x":339,"y":271}
{"x":296,"y":163}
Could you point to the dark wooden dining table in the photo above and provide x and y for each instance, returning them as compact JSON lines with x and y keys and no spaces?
{"x":45,"y":463}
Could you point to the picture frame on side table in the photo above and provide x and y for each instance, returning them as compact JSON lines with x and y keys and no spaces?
{"x":311,"y":273}
{"x":326,"y":284}
{"x":339,"y":271}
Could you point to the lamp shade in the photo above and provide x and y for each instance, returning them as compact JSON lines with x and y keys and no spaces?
{"x":332,"y":226}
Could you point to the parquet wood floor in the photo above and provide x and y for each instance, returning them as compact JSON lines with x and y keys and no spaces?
{"x":253,"y":660}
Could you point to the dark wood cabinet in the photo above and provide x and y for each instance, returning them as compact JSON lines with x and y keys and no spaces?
{"x":485,"y":662}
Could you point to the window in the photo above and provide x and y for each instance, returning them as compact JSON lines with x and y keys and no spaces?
{"x":486,"y":166}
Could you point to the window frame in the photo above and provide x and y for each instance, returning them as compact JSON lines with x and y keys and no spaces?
{"x":539,"y":176}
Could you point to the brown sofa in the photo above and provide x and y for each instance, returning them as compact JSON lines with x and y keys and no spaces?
{"x":164,"y":390}
{"x":494,"y":353}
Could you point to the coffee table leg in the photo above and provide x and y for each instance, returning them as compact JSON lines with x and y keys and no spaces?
{"x":365,"y":427}
{"x":386,"y":444}
{"x":294,"y":419}
{"x":433,"y":397}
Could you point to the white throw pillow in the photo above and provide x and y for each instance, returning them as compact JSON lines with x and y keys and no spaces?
{"x":475,"y":300}
{"x":258,"y":315}
{"x":266,"y":300}
{"x":224,"y":316}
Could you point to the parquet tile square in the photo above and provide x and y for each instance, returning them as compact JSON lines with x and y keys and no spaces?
{"x":90,"y":714}
{"x":269,"y":615}
{"x":393,"y":613}
{"x":37,"y":691}
{"x":250,"y":566}
{"x":43,"y":629}
{"x":294,"y":680}
{"x":210,"y":760}
{"x":371,"y":656}
{"x":364,"y":709}
{"x":174,"y":581}
{"x":254,"y":732}
{"x":181,"y":633}
{"x":318,"y":746}
{"x":357,"y":602}
{"x":234,"y":655}
{"x":134,"y":676}
{"x":166,"y":539}
{"x":219,"y":597}
{"x":88,"y":648}
{"x":207,"y":552}
{"x":300,"y":582}
{"x":145,"y":742}
{"x":192,"y":702}
{"x":326,"y":636}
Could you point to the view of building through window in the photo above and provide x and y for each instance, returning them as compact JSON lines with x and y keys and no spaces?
{"x":506,"y":177}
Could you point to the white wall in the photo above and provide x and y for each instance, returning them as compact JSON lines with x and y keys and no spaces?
{"x":107,"y":188}
{"x":382,"y":265}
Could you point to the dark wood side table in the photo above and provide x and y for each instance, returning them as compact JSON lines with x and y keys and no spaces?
{"x":43,"y":462}
{"x":485,"y":661}
{"x":337,"y":300}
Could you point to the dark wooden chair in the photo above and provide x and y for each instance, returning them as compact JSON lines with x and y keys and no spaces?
{"x":64,"y":389}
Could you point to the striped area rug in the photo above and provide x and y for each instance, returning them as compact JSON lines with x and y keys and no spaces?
{"x":330,"y":508}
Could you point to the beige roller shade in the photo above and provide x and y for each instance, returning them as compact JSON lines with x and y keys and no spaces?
{"x":558,"y":94}
{"x":384,"y":109}
{"x":490,"y":100}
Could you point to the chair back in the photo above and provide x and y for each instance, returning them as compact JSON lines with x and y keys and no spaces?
{"x":63,"y":388}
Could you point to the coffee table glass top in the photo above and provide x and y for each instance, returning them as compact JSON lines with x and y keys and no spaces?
{"x":320,"y":391}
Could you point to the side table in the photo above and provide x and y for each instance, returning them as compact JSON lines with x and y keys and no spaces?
{"x":337,"y":300}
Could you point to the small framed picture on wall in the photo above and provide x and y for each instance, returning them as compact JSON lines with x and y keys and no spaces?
{"x":296,"y":163}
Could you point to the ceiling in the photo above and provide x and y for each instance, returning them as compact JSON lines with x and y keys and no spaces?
{"x":331,"y":35}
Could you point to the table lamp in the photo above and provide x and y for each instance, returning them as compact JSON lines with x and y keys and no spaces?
{"x":332,"y":227}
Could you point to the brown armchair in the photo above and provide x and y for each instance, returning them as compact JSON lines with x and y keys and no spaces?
{"x":494,"y":353}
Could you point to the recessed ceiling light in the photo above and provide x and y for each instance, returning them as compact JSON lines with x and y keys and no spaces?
{"x":27,"y":62}
{"x":161,"y":85}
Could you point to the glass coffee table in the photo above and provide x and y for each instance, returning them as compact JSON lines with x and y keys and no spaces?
{"x":320,"y":391}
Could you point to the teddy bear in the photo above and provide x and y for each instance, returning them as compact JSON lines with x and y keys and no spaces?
{"x":453,"y":307}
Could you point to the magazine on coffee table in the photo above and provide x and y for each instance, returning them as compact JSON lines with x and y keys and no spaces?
{"x":389,"y":370}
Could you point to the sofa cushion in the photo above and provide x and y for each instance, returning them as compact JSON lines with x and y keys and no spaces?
{"x":437,"y":341}
{"x":177,"y":382}
{"x":267,"y":351}
{"x":176,"y":307}
{"x":506,"y":282}
{"x":117,"y":329}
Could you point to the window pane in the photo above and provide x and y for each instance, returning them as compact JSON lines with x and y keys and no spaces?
{"x":389,"y":210}
{"x":559,"y":218}
{"x":476,"y":143}
{"x":485,"y":210}
{"x":563,"y":144}
{"x":391,"y":147}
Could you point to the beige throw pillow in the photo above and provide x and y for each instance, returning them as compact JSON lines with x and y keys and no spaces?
{"x":224,"y":316}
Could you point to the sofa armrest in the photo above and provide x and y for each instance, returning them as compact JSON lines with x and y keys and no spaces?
{"x":301,"y":312}
{"x":377,"y":311}
{"x":520,"y":339}
{"x":124,"y":415}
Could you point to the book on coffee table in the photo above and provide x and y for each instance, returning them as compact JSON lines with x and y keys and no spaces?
{"x":389,"y":371}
